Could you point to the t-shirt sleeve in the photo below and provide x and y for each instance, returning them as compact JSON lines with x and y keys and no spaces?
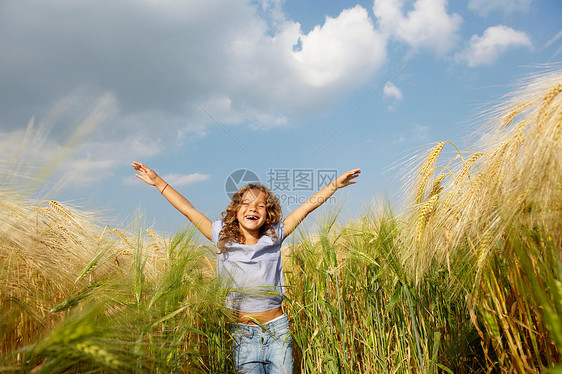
{"x":279,"y":228}
{"x":216,"y":230}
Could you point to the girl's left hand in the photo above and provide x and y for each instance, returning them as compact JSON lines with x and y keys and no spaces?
{"x":346,"y":179}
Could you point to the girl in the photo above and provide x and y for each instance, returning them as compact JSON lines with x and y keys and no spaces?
{"x":249,"y":238}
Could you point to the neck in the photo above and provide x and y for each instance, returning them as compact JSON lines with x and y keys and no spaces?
{"x":251,"y":237}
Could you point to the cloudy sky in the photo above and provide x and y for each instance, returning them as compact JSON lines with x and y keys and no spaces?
{"x":290,"y":90}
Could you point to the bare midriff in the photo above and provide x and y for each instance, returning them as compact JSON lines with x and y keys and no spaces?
{"x":258,"y":317}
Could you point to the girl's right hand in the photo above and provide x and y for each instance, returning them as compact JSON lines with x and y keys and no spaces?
{"x":145,"y":173}
{"x":179,"y":202}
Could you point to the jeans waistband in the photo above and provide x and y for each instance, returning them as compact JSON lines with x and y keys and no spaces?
{"x":269,"y":324}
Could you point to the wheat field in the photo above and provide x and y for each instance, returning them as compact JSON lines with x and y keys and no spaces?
{"x":466,"y":279}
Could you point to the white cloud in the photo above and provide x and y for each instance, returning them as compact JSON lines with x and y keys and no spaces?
{"x":72,"y":156}
{"x":391,"y":91}
{"x":485,"y":49}
{"x":485,"y":7}
{"x":182,"y":180}
{"x":343,"y":51}
{"x":81,"y":172}
{"x":174,"y":179}
{"x":96,"y":160}
{"x":204,"y":61}
{"x":427,"y":25}
{"x":288,"y":73}
{"x":273,"y":9}
{"x":391,"y":95}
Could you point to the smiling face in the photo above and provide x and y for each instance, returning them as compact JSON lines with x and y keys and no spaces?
{"x":252,"y":212}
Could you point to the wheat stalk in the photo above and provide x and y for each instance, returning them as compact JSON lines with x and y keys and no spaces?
{"x":547,"y":100}
{"x":423,"y":214}
{"x":431,"y":158}
{"x":426,"y":170}
{"x":57,"y":207}
{"x":515,"y":112}
{"x":467,"y":165}
{"x":437,"y":188}
{"x":152,"y":234}
{"x":157,"y":240}
{"x":123,"y":237}
{"x":98,"y":353}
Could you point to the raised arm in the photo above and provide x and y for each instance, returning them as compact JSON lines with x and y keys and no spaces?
{"x":148,"y":175}
{"x":313,"y":202}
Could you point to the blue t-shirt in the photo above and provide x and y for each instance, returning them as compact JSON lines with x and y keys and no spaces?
{"x":253,"y":274}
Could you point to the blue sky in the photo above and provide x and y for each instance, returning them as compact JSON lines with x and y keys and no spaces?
{"x":199,"y":89}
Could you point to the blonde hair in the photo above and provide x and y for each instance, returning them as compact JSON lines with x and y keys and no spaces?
{"x":231,"y":232}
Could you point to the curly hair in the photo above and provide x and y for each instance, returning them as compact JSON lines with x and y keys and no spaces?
{"x":231,"y":230}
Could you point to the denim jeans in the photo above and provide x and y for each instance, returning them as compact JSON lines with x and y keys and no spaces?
{"x":265,"y":349}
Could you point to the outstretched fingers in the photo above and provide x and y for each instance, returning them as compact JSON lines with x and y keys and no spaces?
{"x":144,"y":173}
{"x":348,"y":178}
{"x":138,"y":166}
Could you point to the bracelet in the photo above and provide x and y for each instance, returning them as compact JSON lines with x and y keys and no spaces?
{"x":162,"y":192}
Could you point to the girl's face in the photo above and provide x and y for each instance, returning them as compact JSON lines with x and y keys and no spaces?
{"x":252,"y":212}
